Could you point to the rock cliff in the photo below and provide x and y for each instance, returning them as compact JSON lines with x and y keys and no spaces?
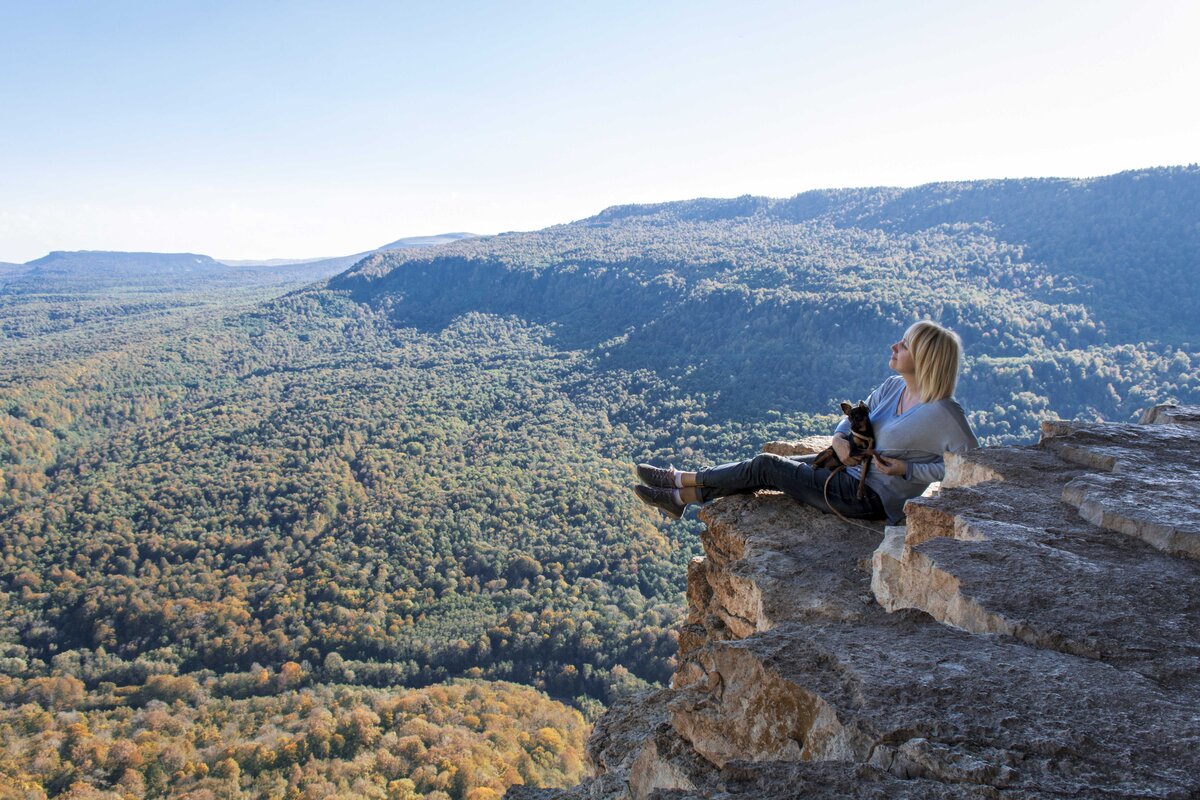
{"x":1033,"y":632}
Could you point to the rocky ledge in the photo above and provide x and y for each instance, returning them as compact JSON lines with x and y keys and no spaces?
{"x":1033,"y":632}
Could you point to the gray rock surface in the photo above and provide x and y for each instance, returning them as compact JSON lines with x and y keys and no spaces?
{"x":1033,"y":632}
{"x":797,"y":447}
{"x":1008,"y":557}
{"x":1139,"y":479}
{"x":1172,"y":414}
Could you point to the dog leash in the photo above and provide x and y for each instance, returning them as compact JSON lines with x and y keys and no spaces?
{"x":839,"y":514}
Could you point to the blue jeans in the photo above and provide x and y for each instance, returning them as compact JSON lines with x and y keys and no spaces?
{"x":796,"y":478}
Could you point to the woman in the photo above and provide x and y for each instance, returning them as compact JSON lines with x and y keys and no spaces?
{"x":916,"y":420}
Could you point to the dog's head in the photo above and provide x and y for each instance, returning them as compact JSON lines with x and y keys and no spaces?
{"x":859,"y":416}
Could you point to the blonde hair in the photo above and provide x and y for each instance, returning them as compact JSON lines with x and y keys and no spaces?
{"x":936,"y":353}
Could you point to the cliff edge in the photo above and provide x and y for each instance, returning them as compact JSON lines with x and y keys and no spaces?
{"x":1033,"y":632}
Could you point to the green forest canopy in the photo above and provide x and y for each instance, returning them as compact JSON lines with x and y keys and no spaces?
{"x":221,"y":498}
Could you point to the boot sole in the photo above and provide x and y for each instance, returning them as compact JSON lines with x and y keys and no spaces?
{"x":647,"y":501}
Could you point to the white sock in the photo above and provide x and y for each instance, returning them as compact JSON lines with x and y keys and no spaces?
{"x":678,"y":479}
{"x":678,"y":497}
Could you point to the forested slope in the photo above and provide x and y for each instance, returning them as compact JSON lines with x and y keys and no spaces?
{"x":1066,"y":305}
{"x":208,"y":499}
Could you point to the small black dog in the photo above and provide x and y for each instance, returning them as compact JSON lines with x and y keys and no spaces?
{"x":862,"y":443}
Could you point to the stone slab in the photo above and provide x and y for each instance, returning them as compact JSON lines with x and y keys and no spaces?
{"x":769,"y":558}
{"x":809,"y":445}
{"x":1171,"y":414}
{"x":917,"y":699}
{"x":1159,"y":508}
{"x":1009,"y":557}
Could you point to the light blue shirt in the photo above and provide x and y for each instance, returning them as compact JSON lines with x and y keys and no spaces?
{"x":920,"y":436}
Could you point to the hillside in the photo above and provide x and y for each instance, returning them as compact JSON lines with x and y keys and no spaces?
{"x":1065,"y":305}
{"x":106,"y":271}
{"x":101,"y":263}
{"x":94,"y":272}
{"x":243,"y":509}
{"x":9,"y":270}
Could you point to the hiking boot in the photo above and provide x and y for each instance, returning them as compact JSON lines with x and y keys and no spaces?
{"x":656,"y":476}
{"x":661,"y":498}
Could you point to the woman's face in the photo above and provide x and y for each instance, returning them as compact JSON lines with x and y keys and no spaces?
{"x":902,"y":360}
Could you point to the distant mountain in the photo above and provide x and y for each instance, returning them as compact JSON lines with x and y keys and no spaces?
{"x":329,"y":266}
{"x":1078,"y":297}
{"x":85,"y":270}
{"x":427,"y":241}
{"x":97,"y":270}
{"x":101,"y":262}
{"x":323,"y":268}
{"x":12,"y":270}
{"x":269,"y":262}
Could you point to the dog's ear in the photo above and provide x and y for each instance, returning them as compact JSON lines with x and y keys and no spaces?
{"x":847,"y":408}
{"x":863,"y":404}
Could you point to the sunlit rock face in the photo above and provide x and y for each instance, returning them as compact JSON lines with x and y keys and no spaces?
{"x":1034,"y":631}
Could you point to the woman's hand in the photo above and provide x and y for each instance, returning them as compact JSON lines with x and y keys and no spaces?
{"x":891,"y":466}
{"x":841,"y":446}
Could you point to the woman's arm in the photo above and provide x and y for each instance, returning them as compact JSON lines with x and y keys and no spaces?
{"x":841,"y":446}
{"x":924,"y":471}
{"x":953,"y":435}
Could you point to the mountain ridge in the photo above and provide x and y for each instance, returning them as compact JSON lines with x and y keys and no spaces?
{"x":1059,"y":292}
{"x":172,"y":271}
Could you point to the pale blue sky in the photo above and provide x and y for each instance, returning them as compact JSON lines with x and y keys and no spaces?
{"x":267,"y":129}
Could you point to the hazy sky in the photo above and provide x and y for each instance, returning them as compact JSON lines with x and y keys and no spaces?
{"x":255,"y":129}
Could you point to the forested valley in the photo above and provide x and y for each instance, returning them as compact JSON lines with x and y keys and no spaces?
{"x":373,"y":536}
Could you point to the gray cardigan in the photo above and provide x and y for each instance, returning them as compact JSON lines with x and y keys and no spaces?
{"x":919,"y":436}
